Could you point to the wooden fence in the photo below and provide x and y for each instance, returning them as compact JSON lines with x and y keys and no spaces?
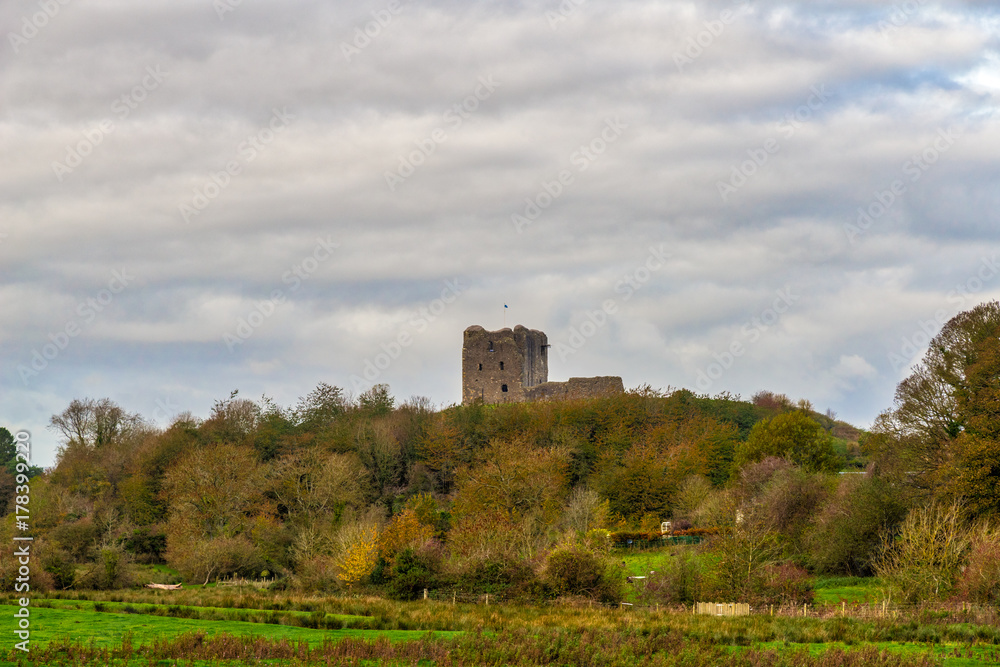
{"x":722,"y":608}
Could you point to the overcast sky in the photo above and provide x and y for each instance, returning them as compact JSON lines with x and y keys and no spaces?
{"x":204,"y":196}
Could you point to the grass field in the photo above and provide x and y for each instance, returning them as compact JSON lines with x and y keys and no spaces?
{"x":108,"y":629}
{"x":229,"y":626}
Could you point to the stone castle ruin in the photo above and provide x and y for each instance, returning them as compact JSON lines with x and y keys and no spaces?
{"x":511,"y":366}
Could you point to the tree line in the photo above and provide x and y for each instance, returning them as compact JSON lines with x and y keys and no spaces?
{"x":339,"y":491}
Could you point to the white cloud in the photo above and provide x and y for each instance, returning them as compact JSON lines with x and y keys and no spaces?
{"x":324,"y":177}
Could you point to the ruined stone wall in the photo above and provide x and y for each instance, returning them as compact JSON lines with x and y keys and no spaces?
{"x":592,"y":387}
{"x":497,"y":366}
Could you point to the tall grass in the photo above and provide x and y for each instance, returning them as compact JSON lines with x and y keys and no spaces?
{"x":593,"y":648}
{"x":926,"y":625}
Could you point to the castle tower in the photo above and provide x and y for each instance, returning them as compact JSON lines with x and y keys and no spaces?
{"x":498,"y":366}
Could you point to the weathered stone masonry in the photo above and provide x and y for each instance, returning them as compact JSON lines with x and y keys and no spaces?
{"x":511,"y":366}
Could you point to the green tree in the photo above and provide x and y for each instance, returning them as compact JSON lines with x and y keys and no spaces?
{"x":7,"y":448}
{"x":794,"y":436}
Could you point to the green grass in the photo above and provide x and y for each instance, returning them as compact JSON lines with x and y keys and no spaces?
{"x":641,"y":563}
{"x":204,"y":613}
{"x":955,"y":639}
{"x":852,"y":590}
{"x":107,"y":629}
{"x":949,"y":653}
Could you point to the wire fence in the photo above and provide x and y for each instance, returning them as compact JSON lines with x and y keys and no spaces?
{"x":657,"y":543}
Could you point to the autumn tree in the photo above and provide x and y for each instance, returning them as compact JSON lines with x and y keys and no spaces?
{"x":381,"y":455}
{"x":97,"y":457}
{"x":233,"y":421}
{"x":404,"y":530}
{"x":441,"y":450}
{"x":513,"y":477}
{"x":320,"y":408}
{"x":311,"y":484}
{"x":940,"y":437}
{"x":640,"y":485}
{"x":977,"y":401}
{"x":217,"y":504}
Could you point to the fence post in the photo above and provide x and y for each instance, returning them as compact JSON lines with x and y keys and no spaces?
{"x":425,"y":593}
{"x":453,"y":598}
{"x":487,"y":599}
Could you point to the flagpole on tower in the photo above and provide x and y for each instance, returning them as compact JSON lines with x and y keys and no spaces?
{"x":505,"y":316}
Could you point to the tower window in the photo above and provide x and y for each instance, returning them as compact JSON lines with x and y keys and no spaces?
{"x":503,"y":388}
{"x":491,"y":346}
{"x":501,"y":365}
{"x":480,"y":367}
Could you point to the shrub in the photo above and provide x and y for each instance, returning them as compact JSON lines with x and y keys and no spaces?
{"x":848,"y":529}
{"x":790,"y":500}
{"x":316,"y":573}
{"x":573,"y":572}
{"x":60,"y":567}
{"x":980,"y":581}
{"x":780,"y":584}
{"x":508,"y":576}
{"x":415,"y":570}
{"x":111,"y":571}
{"x":924,"y":561}
{"x":146,"y":544}
{"x":77,"y":539}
